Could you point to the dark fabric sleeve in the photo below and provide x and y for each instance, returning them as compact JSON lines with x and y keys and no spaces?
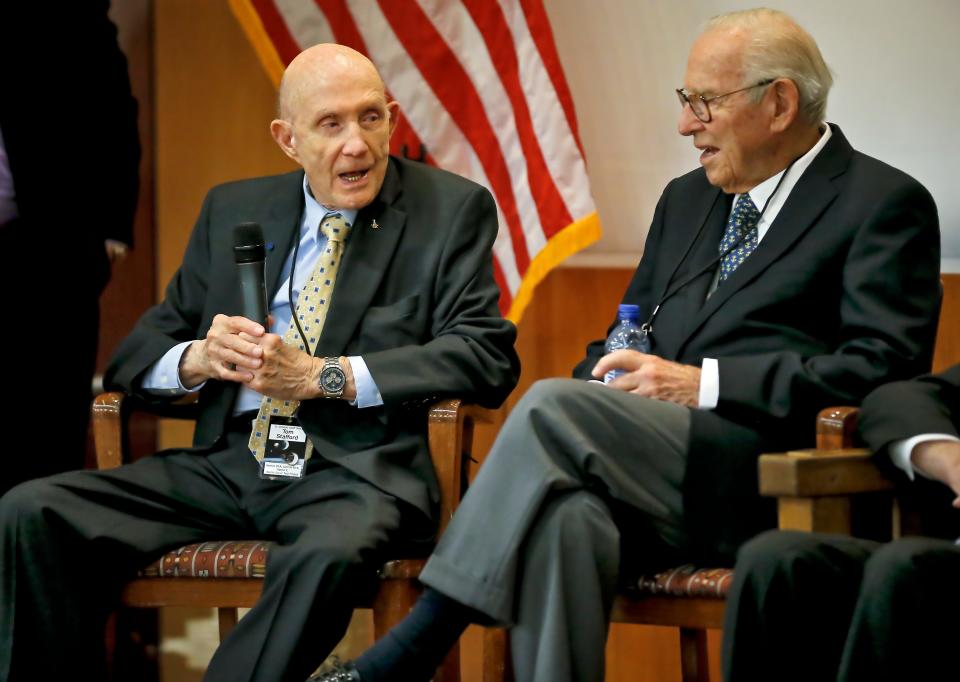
{"x":176,"y":319}
{"x":470,"y":353}
{"x":638,"y":291}
{"x":903,"y":409}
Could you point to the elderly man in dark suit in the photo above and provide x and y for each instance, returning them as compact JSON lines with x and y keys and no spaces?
{"x":387,"y":267}
{"x":819,"y":607}
{"x":789,"y":273}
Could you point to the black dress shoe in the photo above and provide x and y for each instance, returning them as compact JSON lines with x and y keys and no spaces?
{"x":345,"y":672}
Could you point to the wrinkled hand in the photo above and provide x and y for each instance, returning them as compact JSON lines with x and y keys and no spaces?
{"x":228,"y":353}
{"x":287,"y":373}
{"x":652,"y":377}
{"x":940,"y":459}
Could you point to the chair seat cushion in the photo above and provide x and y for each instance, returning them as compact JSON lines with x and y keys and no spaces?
{"x":687,"y":581}
{"x":220,"y":559}
{"x":245,"y":559}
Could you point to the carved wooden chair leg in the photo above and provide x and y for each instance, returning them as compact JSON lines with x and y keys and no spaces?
{"x":393,"y":602}
{"x":227,"y":618}
{"x":693,"y":655}
{"x":450,"y":670}
{"x":496,"y":656}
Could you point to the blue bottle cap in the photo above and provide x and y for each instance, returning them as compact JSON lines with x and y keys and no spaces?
{"x":628,"y":310}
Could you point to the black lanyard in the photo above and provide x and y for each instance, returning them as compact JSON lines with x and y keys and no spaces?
{"x":647,"y":327}
{"x":293,"y":268}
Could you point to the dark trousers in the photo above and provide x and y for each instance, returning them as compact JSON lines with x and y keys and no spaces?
{"x":817,"y":607}
{"x":70,"y":541}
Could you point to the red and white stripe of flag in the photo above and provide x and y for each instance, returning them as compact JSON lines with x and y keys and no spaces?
{"x":481,"y":88}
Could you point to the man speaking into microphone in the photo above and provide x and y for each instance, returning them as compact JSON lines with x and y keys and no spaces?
{"x":311,"y":430}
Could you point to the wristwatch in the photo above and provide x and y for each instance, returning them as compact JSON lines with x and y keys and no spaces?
{"x":332,"y":378}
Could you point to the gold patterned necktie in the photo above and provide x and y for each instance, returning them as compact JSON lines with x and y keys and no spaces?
{"x":311,"y":312}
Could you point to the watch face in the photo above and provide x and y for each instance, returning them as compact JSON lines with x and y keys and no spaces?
{"x":332,"y":379}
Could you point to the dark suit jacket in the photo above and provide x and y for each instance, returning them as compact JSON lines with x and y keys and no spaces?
{"x":903,"y":409}
{"x":69,"y":126}
{"x":840,"y":296}
{"x":415,"y":298}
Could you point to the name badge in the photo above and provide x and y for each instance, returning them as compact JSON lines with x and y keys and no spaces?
{"x":286,"y":451}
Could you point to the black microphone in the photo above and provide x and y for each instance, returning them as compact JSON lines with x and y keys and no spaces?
{"x":248,"y":252}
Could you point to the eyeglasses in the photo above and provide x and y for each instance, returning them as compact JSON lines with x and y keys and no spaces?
{"x":700,"y":105}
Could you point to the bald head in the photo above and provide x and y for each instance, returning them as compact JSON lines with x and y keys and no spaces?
{"x":335,"y":121}
{"x":322,"y":65}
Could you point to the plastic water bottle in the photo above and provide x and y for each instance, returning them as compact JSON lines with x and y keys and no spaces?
{"x":626,"y":334}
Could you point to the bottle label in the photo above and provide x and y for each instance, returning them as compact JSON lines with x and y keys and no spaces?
{"x":613,"y":374}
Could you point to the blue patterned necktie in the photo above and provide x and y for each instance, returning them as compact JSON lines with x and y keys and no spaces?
{"x":742,"y":228}
{"x":311,"y":311}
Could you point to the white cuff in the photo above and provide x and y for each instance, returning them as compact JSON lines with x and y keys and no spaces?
{"x":163,"y":377}
{"x":709,"y":384}
{"x":901,"y":451}
{"x":368,"y":395}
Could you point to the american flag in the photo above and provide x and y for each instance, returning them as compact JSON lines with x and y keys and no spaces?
{"x":482,"y":94}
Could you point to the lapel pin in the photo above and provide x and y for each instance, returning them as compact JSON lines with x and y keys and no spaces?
{"x":374,"y":225}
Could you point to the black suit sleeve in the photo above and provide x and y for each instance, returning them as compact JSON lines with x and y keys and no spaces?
{"x":470,"y":350}
{"x":177,"y":318}
{"x":903,"y":409}
{"x":638,"y":292}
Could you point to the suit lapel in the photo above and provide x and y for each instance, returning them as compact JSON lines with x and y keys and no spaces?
{"x":703,"y":253}
{"x":366,"y":258}
{"x":279,"y":231}
{"x":810,"y":197}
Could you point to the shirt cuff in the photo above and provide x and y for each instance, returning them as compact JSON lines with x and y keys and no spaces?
{"x":368,"y":395}
{"x":163,"y":377}
{"x":901,"y":451}
{"x":709,"y":384}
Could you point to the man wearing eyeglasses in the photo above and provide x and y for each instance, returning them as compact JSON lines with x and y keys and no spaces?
{"x":787,"y":274}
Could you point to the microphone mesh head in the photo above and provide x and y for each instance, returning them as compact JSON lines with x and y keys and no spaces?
{"x":248,"y":243}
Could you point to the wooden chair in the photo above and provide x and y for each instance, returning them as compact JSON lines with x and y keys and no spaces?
{"x":817,"y":490}
{"x":227,"y":575}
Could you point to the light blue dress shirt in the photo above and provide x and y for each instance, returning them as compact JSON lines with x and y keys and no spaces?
{"x":163,"y":378}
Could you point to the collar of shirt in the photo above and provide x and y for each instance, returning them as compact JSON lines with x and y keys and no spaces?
{"x":761,"y":194}
{"x":314,"y":212}
{"x":312,"y":244}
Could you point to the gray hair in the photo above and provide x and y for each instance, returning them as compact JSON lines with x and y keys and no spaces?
{"x":779,"y":48}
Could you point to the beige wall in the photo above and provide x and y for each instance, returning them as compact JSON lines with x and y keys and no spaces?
{"x":895,"y":95}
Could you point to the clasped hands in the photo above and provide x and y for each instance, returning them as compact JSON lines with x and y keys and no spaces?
{"x":652,"y":377}
{"x":238,"y":349}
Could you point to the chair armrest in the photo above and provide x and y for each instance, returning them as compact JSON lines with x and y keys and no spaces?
{"x":834,"y":467}
{"x":818,"y":473}
{"x":450,"y":430}
{"x":110,"y":415}
{"x":107,"y":417}
{"x":814,"y":487}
